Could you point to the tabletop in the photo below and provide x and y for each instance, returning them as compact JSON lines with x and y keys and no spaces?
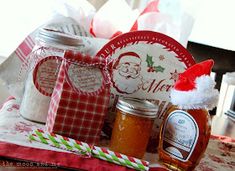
{"x":222,"y":125}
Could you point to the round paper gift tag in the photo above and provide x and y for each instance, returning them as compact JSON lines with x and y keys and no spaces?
{"x":85,"y":79}
{"x":145,"y":65}
{"x":45,"y":74}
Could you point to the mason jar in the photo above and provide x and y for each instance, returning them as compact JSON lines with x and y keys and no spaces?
{"x":42,"y":67}
{"x":133,"y":126}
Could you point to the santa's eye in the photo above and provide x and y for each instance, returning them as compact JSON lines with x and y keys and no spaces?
{"x":135,"y":67}
{"x":125,"y":68}
{"x":134,"y":70}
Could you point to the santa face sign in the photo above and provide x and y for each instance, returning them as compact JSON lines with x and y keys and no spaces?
{"x":127,"y":68}
{"x":145,"y":65}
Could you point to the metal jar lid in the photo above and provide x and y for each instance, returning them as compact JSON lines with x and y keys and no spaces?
{"x":142,"y":108}
{"x":52,"y":36}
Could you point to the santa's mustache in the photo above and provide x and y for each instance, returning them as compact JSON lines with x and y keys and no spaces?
{"x":128,"y":75}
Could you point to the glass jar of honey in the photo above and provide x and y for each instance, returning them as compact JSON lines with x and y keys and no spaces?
{"x":186,"y":128}
{"x":133,"y":126}
{"x":184,"y":137}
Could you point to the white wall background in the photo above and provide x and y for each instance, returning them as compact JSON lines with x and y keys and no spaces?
{"x":214,"y":25}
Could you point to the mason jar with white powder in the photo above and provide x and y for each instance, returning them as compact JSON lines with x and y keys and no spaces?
{"x":42,"y":65}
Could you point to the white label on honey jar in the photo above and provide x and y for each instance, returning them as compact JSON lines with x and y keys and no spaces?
{"x":180,"y":135}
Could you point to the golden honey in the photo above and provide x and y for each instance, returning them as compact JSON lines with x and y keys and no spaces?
{"x":132,"y":127}
{"x":182,"y":146}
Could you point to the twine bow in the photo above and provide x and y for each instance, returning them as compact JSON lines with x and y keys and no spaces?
{"x":70,"y":58}
{"x":79,"y":60}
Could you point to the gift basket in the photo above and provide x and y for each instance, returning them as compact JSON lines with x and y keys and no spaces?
{"x":101,"y":93}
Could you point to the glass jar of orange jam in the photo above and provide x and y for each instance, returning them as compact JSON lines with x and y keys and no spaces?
{"x":133,"y":126}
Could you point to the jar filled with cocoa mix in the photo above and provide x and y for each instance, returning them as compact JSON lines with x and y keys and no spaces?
{"x":42,"y":67}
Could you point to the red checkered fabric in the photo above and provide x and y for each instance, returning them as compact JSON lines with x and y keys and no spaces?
{"x":75,"y":114}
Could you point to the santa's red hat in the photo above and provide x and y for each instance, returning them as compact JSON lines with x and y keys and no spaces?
{"x":194,"y":88}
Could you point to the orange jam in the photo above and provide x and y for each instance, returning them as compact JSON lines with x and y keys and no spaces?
{"x":133,"y":126}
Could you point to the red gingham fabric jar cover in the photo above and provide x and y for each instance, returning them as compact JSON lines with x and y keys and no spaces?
{"x":75,"y":113}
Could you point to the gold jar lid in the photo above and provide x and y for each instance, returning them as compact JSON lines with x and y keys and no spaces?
{"x":138,"y":107}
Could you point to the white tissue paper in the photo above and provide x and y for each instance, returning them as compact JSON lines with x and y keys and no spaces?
{"x":173,"y":18}
{"x":113,"y":18}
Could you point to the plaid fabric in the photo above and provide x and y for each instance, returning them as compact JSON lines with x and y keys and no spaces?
{"x":75,"y":114}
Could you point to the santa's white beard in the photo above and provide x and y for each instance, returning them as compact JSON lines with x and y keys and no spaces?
{"x":126,"y":85}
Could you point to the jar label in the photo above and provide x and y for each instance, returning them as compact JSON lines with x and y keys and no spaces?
{"x":180,"y":135}
{"x":45,"y":74}
{"x":87,"y":79}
